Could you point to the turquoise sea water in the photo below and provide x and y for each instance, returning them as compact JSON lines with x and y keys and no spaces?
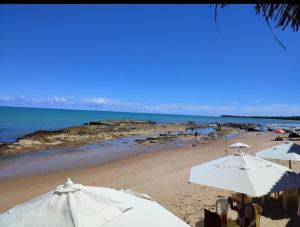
{"x":18,"y":121}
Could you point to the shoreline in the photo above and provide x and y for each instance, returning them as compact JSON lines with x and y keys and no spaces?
{"x":67,"y":158}
{"x":163,"y":175}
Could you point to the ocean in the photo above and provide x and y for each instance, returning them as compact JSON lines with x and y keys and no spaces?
{"x":18,"y":121}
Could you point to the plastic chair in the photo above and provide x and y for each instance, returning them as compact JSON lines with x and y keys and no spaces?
{"x":211,"y":219}
{"x":222,"y":206}
{"x":232,"y":223}
{"x":258,"y":212}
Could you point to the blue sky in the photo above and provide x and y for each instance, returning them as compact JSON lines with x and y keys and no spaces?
{"x":147,"y":58}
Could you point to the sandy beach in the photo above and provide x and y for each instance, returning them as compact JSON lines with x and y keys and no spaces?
{"x":133,"y":96}
{"x":162,"y":174}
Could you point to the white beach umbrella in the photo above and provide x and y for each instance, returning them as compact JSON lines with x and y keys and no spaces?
{"x":239,"y":145}
{"x":75,"y":205}
{"x":245,"y":174}
{"x":285,"y":151}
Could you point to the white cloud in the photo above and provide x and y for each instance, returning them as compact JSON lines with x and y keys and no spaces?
{"x":4,"y":98}
{"x":102,"y":103}
{"x":98,"y":101}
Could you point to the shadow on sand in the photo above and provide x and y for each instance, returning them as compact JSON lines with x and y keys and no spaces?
{"x":272,"y":208}
{"x":200,"y":223}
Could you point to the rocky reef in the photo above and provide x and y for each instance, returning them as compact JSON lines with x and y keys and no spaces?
{"x":98,"y":131}
{"x":161,"y":138}
{"x":87,"y":133}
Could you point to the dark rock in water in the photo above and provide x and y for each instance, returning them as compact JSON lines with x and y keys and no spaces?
{"x":244,"y":126}
{"x":151,"y":122}
{"x":162,"y":138}
{"x":139,"y":141}
{"x":100,"y":123}
{"x":294,"y":135}
{"x":211,"y":134}
{"x":278,"y":138}
{"x":118,"y":122}
{"x":252,"y":129}
{"x":181,"y":133}
{"x":191,"y":123}
{"x":151,"y":139}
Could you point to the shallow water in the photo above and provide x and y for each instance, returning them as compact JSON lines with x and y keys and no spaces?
{"x":200,"y":131}
{"x":67,"y":158}
{"x":73,"y":157}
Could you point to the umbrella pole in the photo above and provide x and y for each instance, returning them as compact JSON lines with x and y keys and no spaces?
{"x":290,"y":164}
{"x":298,"y":211}
{"x":243,"y":210}
{"x":226,"y":144}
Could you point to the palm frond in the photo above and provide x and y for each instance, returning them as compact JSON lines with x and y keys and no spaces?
{"x":282,"y":14}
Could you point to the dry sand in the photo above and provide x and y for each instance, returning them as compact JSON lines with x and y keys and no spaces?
{"x":163,"y":175}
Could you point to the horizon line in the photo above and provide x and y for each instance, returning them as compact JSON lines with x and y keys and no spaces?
{"x":192,"y":115}
{"x":54,"y":108}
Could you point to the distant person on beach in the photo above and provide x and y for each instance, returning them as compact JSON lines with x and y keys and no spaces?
{"x":196,"y":134}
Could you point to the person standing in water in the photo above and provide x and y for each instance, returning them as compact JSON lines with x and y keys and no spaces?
{"x":196,"y":134}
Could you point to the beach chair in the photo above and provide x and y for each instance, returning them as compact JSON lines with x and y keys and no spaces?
{"x":258,"y":212}
{"x":232,"y":223}
{"x":211,"y":219}
{"x":289,"y":198}
{"x":222,"y":206}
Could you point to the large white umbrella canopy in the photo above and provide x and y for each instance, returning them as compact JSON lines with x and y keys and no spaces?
{"x":239,"y":145}
{"x":285,"y":151}
{"x":245,"y":174}
{"x":75,"y":205}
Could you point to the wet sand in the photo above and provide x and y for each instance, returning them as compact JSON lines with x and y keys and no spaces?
{"x":73,"y":157}
{"x":162,"y":174}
